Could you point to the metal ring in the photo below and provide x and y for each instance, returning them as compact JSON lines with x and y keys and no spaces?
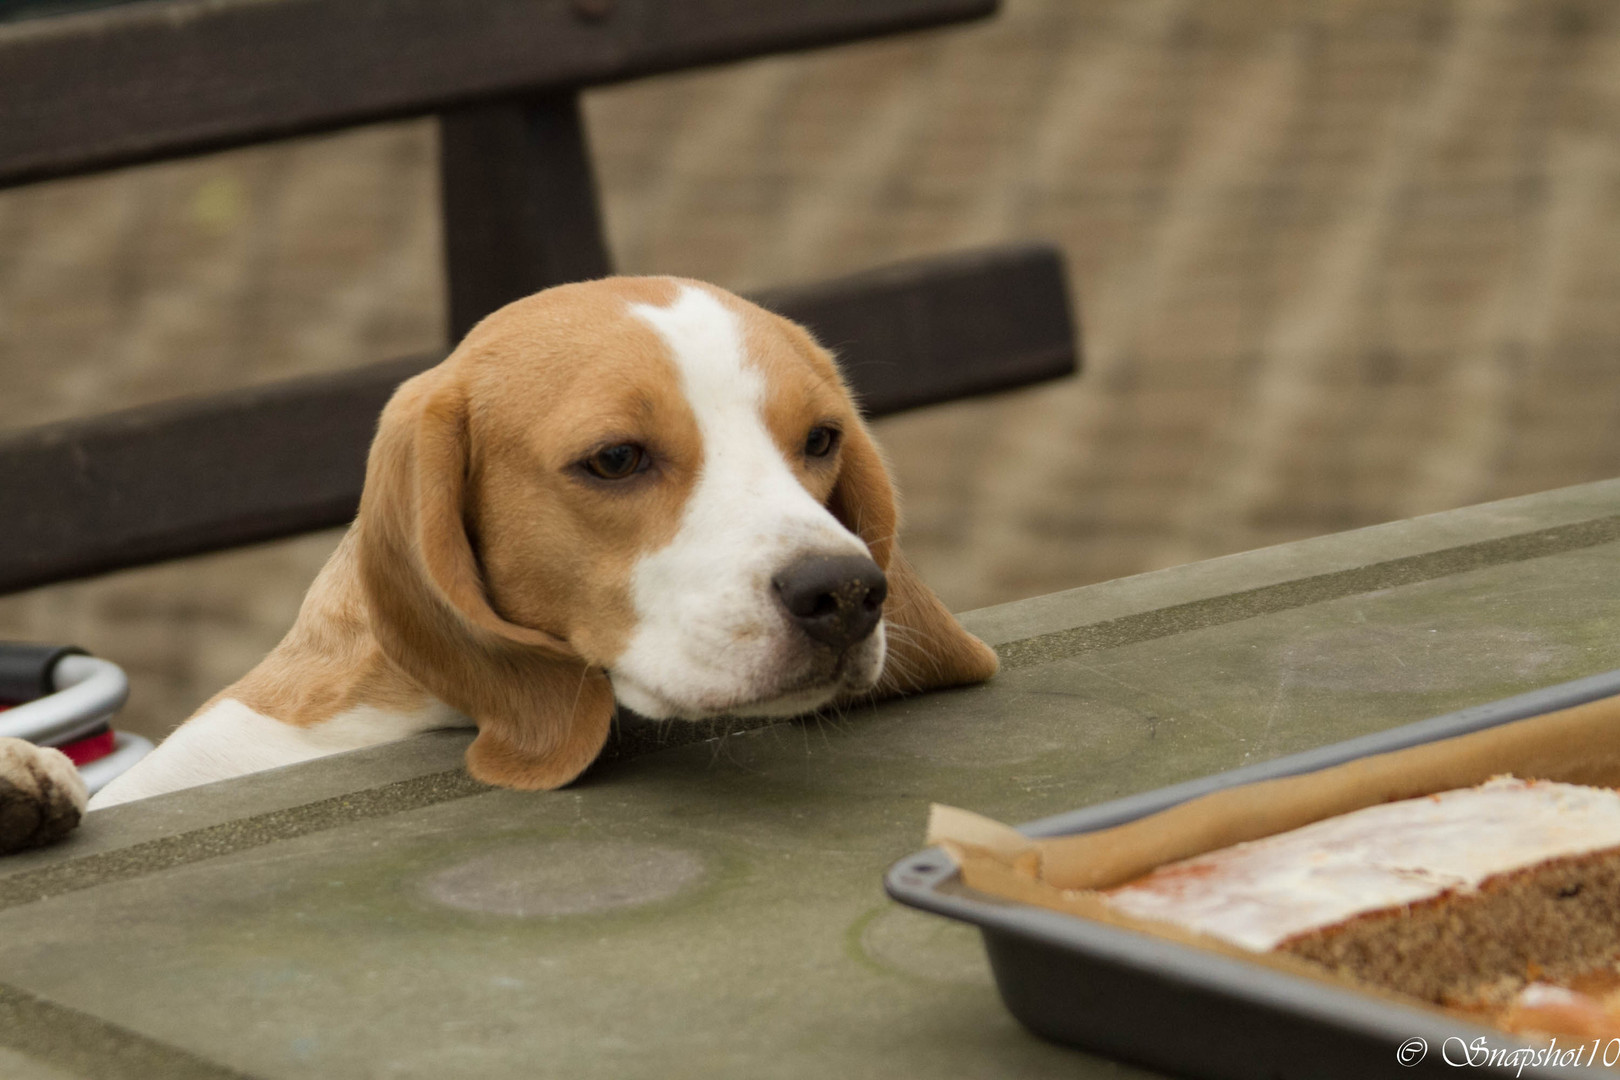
{"x":87,"y":689}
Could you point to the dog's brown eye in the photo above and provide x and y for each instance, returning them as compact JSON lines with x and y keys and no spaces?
{"x":821,"y":441}
{"x":616,"y":462}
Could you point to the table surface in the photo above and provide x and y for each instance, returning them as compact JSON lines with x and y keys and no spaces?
{"x":715,"y":909}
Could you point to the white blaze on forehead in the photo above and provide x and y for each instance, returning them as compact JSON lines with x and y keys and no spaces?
{"x":741,"y":462}
{"x":707,"y":621}
{"x":705,"y":342}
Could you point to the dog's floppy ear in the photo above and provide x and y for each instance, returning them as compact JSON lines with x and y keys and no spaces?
{"x":928,"y":648}
{"x":542,"y":712}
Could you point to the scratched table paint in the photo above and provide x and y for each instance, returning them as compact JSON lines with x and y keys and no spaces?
{"x":714,"y":909}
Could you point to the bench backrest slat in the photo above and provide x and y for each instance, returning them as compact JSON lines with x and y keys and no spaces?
{"x":166,"y":77}
{"x":204,"y":474}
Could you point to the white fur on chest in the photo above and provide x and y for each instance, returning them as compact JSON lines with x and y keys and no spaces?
{"x":231,"y":739}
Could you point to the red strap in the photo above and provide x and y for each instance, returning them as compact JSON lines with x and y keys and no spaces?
{"x":84,"y":751}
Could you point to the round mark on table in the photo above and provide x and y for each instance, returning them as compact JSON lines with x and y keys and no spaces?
{"x":565,"y":877}
{"x":923,"y":946}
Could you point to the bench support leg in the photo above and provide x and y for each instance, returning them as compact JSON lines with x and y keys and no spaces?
{"x":519,"y":203}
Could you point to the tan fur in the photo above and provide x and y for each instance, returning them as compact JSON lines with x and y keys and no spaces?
{"x":481,"y":572}
{"x":928,"y":649}
{"x":330,"y":661}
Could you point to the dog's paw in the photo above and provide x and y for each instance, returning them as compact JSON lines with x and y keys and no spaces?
{"x":42,"y":795}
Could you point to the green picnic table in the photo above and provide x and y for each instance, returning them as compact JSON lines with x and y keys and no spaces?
{"x":715,"y":908}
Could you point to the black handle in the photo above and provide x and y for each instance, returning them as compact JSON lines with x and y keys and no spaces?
{"x":26,"y":669}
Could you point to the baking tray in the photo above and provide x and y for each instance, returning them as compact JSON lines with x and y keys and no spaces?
{"x":1199,"y":1014}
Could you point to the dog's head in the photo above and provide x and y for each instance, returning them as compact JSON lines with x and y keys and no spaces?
{"x":644,"y":489}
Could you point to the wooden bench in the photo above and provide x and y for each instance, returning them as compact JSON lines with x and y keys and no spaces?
{"x":84,"y":91}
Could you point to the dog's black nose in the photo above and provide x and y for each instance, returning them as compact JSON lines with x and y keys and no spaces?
{"x":835,"y":599}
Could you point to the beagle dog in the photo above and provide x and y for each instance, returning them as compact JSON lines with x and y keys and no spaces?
{"x":642,"y":492}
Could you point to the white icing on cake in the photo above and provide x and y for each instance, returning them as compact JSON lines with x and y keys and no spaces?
{"x":1540,"y":995}
{"x":1259,"y":894}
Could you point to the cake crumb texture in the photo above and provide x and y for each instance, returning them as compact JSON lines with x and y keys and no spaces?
{"x":1551,"y":923}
